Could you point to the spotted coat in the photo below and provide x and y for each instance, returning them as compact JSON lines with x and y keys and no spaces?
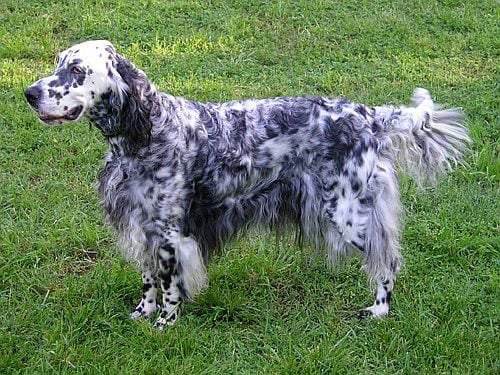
{"x":181,"y":178}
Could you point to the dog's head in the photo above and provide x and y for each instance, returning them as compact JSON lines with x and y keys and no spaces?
{"x":83,"y":74}
{"x":92,"y":80}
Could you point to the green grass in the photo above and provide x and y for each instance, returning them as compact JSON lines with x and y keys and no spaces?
{"x":65,"y":294}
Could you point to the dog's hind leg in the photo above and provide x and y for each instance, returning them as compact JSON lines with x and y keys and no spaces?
{"x":381,"y":246}
{"x":364,"y":210}
{"x":380,"y":307}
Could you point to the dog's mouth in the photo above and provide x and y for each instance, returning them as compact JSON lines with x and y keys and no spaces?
{"x":70,"y":115}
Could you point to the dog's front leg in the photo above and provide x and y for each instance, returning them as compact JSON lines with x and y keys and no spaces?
{"x":182,"y":274}
{"x":169,"y":281}
{"x":147,"y":306}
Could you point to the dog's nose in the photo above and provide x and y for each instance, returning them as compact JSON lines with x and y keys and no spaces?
{"x":33,"y":94}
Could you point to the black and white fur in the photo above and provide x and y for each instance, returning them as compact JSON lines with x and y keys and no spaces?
{"x":183,"y":177}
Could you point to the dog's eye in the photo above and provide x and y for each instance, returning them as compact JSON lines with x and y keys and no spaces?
{"x":76,"y":70}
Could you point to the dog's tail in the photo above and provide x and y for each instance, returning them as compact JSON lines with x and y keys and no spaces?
{"x":425,"y":141}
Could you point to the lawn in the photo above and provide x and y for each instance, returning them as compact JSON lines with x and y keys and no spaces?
{"x":65,"y":294}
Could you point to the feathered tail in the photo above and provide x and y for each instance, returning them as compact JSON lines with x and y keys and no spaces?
{"x":425,"y":141}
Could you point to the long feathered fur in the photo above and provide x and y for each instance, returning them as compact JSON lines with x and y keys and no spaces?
{"x":182,"y":177}
{"x":427,"y":142}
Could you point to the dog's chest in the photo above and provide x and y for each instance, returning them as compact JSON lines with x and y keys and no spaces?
{"x":128,"y":191}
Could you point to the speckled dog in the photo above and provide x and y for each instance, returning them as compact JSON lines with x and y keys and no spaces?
{"x":182,"y":177}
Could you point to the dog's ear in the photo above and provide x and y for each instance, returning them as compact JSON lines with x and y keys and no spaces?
{"x":137,"y":103}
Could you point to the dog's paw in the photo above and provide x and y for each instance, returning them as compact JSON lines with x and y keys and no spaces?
{"x":136,"y":314}
{"x":165,"y":320}
{"x":376,"y":311}
{"x":143,"y":312}
{"x":168,"y":318}
{"x":363,"y":314}
{"x":161,"y":323}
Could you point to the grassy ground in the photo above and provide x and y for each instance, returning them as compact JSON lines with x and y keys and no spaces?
{"x":65,"y":294}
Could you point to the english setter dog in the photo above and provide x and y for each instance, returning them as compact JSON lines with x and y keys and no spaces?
{"x":181,"y":177}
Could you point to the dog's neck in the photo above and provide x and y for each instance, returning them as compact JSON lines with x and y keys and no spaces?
{"x":105,"y":115}
{"x":108,"y":115}
{"x":119,"y":147}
